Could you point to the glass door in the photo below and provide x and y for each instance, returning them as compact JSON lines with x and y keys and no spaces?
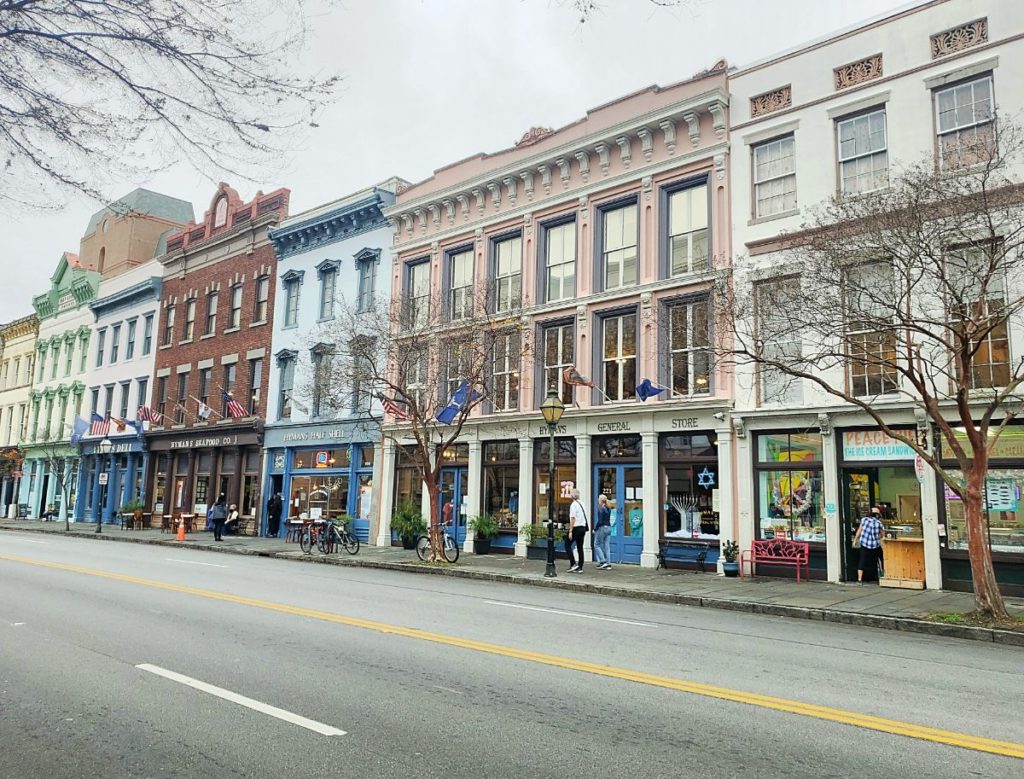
{"x":623,"y":486}
{"x":861,"y":493}
{"x":454,"y":480}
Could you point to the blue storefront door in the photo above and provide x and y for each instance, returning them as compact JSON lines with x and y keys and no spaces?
{"x":454,"y":482}
{"x":624,"y":487}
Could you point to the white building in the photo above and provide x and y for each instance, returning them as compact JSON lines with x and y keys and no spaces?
{"x":324,"y":460}
{"x":17,"y":352}
{"x":830,"y":119}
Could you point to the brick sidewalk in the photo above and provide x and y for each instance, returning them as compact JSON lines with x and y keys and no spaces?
{"x":868,"y":605}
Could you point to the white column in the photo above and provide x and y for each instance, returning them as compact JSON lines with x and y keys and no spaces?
{"x":746,"y":511}
{"x":930,"y":529}
{"x":525,"y":492}
{"x":724,"y":487}
{"x":471,"y":492}
{"x":833,"y":529}
{"x":651,"y":501}
{"x":386,"y":493}
{"x":583,"y":483}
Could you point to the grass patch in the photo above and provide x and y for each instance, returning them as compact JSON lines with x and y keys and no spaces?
{"x":973,"y":619}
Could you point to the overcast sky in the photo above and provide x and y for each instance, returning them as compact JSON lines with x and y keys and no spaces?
{"x":429,"y":82}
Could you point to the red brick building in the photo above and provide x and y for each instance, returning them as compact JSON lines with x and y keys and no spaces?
{"x":214,"y":338}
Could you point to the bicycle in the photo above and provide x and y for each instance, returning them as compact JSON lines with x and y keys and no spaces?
{"x":312,"y":535}
{"x":449,"y":548}
{"x":337,"y":535}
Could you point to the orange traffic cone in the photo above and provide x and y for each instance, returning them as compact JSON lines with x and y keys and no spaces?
{"x":181,"y":530}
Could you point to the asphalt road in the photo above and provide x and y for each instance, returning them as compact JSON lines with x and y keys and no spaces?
{"x":429,"y":676}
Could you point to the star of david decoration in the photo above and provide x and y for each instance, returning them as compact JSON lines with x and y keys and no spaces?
{"x":706,"y":478}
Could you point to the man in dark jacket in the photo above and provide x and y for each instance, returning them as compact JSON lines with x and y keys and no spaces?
{"x":220,"y":513}
{"x":274,"y":508}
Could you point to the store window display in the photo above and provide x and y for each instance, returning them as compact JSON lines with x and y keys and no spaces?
{"x":689,"y":468}
{"x":565,"y":478}
{"x":1005,"y":522}
{"x":501,"y":483}
{"x":789,"y":482}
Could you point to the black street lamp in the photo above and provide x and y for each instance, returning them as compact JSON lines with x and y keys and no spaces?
{"x":103,"y":447}
{"x":552,"y":409}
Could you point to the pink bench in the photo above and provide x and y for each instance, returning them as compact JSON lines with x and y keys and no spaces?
{"x":777,"y":551}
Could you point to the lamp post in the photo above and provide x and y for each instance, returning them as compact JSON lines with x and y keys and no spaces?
{"x":103,"y":447}
{"x":552,"y":409}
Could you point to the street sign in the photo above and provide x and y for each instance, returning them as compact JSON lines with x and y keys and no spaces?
{"x":103,"y":479}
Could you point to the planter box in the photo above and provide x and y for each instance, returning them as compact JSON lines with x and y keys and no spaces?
{"x":481,"y":546}
{"x":540,"y":551}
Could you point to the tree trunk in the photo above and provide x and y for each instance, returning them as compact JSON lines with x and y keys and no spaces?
{"x":434,"y":518}
{"x":987,"y":598}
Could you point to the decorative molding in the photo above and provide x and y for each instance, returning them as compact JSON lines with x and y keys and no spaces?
{"x":478,"y":196}
{"x":719,"y":160}
{"x":510,"y":188}
{"x":854,"y":73}
{"x":717,"y":110}
{"x":647,"y":185}
{"x":646,"y":143}
{"x":495,"y":189}
{"x":564,"y":170}
{"x":421,"y":220}
{"x":463,"y":202}
{"x":527,"y":177}
{"x":449,"y":210}
{"x":435,"y":214}
{"x":292,"y":275}
{"x":668,"y":128}
{"x":769,"y":102}
{"x":545,"y":178}
{"x":602,"y":157}
{"x":693,"y":125}
{"x":533,"y":135}
{"x":625,"y":149}
{"x":407,"y":221}
{"x":583,"y":157}
{"x":528,"y":224}
{"x":959,"y":38}
{"x":327,"y":266}
{"x":584,"y":201}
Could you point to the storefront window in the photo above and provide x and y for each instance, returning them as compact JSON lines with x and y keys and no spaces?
{"x":789,"y":447}
{"x":789,"y":484}
{"x":455,"y":453}
{"x":565,"y":478}
{"x":316,"y":497}
{"x":689,"y":472}
{"x":501,"y":483}
{"x":364,"y":498}
{"x":321,"y":459}
{"x":617,"y":447}
{"x":1005,"y":522}
{"x":366,"y":456}
{"x":408,"y":477}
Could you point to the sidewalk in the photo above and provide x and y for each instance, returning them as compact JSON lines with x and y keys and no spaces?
{"x":869,"y":605}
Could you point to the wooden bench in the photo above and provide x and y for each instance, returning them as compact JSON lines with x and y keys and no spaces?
{"x":777,"y":551}
{"x":682,"y":550}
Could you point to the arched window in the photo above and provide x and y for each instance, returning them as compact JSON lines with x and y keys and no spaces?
{"x":220,"y":216}
{"x":103,"y":258}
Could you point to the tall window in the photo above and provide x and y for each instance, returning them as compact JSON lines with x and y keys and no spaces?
{"x":169,"y":326}
{"x":69,"y":353}
{"x":255,"y":384}
{"x":689,"y":348}
{"x":16,"y":372}
{"x":286,"y":366}
{"x":161,"y":395}
{"x":367,"y":280}
{"x":236,"y":307}
{"x":147,"y":334}
{"x":328,"y":282}
{"x":142,"y":394}
{"x":179,"y":409}
{"x":190,"y":320}
{"x":559,"y":354}
{"x":291,"y":302}
{"x":980,"y":304}
{"x":94,"y":401}
{"x":619,"y":247}
{"x":965,"y":122}
{"x":688,"y":230}
{"x":101,"y":345}
{"x":779,"y":339}
{"x":362,"y":373}
{"x":618,"y":356}
{"x":49,"y":415}
{"x":205,"y":385}
{"x":457,"y":367}
{"x":54,"y":359}
{"x":415,"y":378}
{"x":460,"y":285}
{"x":211,"y":313}
{"x":863,"y":155}
{"x":775,"y":177}
{"x":42,"y":366}
{"x":418,"y":293}
{"x":505,"y":372}
{"x":115,"y":342}
{"x":560,"y":261}
{"x":126,"y":388}
{"x":230,"y":373}
{"x":259,"y":313}
{"x":508,"y":274}
{"x":129,"y":347}
{"x":871,"y":342}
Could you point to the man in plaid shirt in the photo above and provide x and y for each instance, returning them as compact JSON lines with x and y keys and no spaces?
{"x":870,"y":536}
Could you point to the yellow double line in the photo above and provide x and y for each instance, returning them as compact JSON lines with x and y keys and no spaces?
{"x":951,"y":738}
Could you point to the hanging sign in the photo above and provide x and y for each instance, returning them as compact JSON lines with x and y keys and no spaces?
{"x":919,"y":468}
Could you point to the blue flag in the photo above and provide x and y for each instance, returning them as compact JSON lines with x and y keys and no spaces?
{"x":645,"y":389}
{"x":78,"y":429}
{"x":460,"y":398}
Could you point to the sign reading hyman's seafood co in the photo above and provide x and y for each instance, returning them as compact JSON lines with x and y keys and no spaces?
{"x":866,"y":445}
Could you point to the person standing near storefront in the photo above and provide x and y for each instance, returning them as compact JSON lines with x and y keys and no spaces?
{"x":869,"y":534}
{"x":274,"y":508}
{"x":603,"y":534}
{"x":578,"y":525}
{"x":219,"y":515}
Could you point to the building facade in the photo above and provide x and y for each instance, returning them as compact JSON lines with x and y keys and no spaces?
{"x":333,"y":261}
{"x":832,"y":120}
{"x":17,"y":352}
{"x":606,"y":235}
{"x":212,"y":359}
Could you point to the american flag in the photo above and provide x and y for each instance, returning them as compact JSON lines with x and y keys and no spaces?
{"x":235,"y":409}
{"x":394,"y":409}
{"x":100,"y":425}
{"x":147,"y":414}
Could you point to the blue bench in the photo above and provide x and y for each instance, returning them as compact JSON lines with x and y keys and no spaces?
{"x":679,"y":550}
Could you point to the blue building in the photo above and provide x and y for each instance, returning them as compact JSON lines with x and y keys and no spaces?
{"x":324,"y":459}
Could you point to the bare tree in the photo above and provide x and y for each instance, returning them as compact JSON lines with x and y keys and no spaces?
{"x":431,"y":368}
{"x":61,"y":462}
{"x":905,"y":296}
{"x":105,"y":88}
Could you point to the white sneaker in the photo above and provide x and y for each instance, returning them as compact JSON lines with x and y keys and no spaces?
{"x":607,"y":566}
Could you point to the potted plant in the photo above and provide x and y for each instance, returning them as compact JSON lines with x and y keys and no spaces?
{"x":133,"y":509}
{"x":484,"y":529}
{"x":407,"y":523}
{"x":730,"y":551}
{"x":537,"y":541}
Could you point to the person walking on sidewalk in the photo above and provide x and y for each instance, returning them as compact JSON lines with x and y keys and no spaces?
{"x":578,"y":526}
{"x":869,"y":534}
{"x":603,"y":534}
{"x":218,"y":515}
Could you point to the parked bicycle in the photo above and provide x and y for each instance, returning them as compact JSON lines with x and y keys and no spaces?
{"x":312,"y":535}
{"x":449,"y":548}
{"x":337,"y":535}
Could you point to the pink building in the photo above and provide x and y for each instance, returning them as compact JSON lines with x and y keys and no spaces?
{"x":608,"y":235}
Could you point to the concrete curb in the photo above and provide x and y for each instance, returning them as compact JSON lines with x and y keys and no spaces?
{"x":907,"y":624}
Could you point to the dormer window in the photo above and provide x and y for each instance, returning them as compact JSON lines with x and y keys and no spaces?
{"x":220,"y":214}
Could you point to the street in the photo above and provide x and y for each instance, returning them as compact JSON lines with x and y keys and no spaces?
{"x":133,"y":660}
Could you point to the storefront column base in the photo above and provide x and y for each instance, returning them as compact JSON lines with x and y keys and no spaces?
{"x":520,"y":548}
{"x":648,"y":559}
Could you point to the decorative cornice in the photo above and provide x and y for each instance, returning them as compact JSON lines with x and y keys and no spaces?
{"x":27,"y":325}
{"x":293,"y":275}
{"x":855,"y":73}
{"x":144,"y":291}
{"x":335,"y":225}
{"x":959,"y":38}
{"x":769,"y":102}
{"x":366,"y":255}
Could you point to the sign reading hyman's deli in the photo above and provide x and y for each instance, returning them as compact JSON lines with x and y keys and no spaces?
{"x":865,"y":445}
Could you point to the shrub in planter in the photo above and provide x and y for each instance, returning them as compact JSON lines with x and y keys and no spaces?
{"x":730,"y":551}
{"x":537,"y":540}
{"x":484,"y":529}
{"x":408,"y":524}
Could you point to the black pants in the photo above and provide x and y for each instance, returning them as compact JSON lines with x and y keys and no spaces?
{"x":869,"y":559}
{"x":218,"y":529}
{"x":273,"y":526}
{"x":575,"y":538}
